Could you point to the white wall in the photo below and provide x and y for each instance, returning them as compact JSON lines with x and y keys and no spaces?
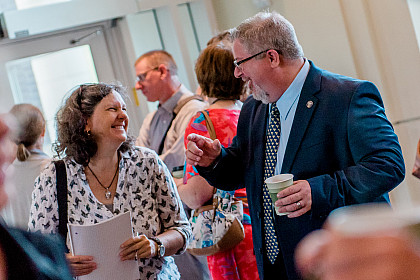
{"x":414,"y":6}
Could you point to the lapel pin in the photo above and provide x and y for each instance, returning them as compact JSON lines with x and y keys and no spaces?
{"x":309,"y":104}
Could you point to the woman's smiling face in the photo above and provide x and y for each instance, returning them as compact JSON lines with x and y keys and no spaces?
{"x":109,"y":121}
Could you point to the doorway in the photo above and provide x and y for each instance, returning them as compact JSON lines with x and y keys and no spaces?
{"x":42,"y":70}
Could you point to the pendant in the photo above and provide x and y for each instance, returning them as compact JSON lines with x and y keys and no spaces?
{"x":108,"y":194}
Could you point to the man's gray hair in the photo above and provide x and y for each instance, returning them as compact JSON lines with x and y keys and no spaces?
{"x":268,"y":30}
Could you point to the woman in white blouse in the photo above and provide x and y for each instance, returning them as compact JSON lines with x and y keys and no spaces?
{"x":106,"y":176}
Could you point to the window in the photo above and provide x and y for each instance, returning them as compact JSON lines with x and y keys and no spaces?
{"x":24,"y":4}
{"x":44,"y":80}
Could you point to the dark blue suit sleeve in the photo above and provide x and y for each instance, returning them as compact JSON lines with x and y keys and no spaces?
{"x":227,"y":172}
{"x":379,"y":164}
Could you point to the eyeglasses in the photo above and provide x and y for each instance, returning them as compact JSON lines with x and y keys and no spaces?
{"x":141,"y":77}
{"x":237,"y":63}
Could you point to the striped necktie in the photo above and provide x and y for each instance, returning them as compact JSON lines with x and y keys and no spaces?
{"x":271,"y":148}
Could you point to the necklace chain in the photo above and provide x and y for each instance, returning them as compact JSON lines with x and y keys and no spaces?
{"x":107,"y":193}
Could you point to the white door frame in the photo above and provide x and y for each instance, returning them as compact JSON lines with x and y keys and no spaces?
{"x":110,"y":62}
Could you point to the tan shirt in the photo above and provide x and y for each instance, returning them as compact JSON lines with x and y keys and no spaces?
{"x":156,"y":124}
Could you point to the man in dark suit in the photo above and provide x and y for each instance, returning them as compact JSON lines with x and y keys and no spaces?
{"x":25,"y":255}
{"x":335,"y":139}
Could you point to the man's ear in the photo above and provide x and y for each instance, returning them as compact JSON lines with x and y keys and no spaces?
{"x":164,"y":72}
{"x":274,"y":57}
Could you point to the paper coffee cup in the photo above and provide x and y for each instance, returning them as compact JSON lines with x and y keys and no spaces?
{"x":277,"y":183}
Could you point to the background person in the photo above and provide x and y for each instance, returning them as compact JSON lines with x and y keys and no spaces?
{"x":107,"y":176}
{"x":328,"y":130}
{"x":163,"y":130}
{"x":25,"y":255}
{"x":30,"y":160}
{"x":214,"y":68}
{"x":389,"y":255}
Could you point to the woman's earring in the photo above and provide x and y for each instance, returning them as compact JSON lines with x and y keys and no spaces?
{"x":88,"y":132}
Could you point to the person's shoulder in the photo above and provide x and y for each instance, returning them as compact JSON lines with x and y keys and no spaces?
{"x":142,"y":156}
{"x":198,"y":115}
{"x":338,"y":80}
{"x":198,"y":101}
{"x":46,"y":249}
{"x":341,"y":84}
{"x":195,"y":103}
{"x":47,"y":244}
{"x":41,"y":160}
{"x":48,"y":167}
{"x":36,"y":238}
{"x":251,"y":104}
{"x":139,"y":152}
{"x":339,"y":88}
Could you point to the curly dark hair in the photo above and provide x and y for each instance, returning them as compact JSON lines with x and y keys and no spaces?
{"x":214,"y":69}
{"x":72,"y":139}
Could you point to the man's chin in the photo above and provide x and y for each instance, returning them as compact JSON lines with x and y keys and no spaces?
{"x":260,"y":98}
{"x":258,"y":93}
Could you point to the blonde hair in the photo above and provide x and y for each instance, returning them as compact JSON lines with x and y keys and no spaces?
{"x":31,"y":125}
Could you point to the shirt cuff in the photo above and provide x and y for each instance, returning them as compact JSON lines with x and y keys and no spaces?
{"x":211,"y":167}
{"x":186,"y":240}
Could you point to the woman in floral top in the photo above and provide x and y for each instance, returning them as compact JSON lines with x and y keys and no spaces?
{"x":106,"y":176}
{"x":214,"y":69}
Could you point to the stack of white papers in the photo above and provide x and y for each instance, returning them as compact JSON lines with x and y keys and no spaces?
{"x":102,"y":241}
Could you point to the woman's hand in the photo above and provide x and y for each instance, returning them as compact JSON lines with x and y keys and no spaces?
{"x":81,"y":265}
{"x":138,"y":247}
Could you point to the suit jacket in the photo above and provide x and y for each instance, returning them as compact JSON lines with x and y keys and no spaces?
{"x":33,"y":255}
{"x":340,"y":142}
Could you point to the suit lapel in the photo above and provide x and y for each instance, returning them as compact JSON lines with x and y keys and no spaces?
{"x":306,"y":107}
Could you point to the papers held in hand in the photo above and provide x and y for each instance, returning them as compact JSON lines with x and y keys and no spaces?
{"x":102,"y":241}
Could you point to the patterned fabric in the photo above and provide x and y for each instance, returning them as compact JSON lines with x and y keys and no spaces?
{"x":237,"y":263}
{"x":273,"y":139}
{"x":241,"y":259}
{"x":224,"y":122}
{"x":145,"y":188}
{"x":204,"y":233}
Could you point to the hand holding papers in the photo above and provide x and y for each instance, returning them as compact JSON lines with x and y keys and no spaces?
{"x":102,"y":241}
